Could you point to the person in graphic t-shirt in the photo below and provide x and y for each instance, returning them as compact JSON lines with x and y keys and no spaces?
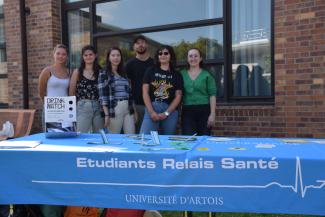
{"x":135,"y":69}
{"x":162,"y":93}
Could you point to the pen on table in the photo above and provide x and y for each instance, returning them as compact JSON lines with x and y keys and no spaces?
{"x":191,"y":137}
{"x":14,"y":147}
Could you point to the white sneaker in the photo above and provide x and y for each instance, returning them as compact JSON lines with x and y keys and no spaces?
{"x":152,"y":213}
{"x":7,"y":129}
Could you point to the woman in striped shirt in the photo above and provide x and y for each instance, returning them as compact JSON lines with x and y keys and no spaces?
{"x":115,"y":95}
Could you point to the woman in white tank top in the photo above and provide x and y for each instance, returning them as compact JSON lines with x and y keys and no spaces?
{"x":54,"y":79}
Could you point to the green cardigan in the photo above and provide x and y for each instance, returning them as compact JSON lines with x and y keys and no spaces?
{"x":198,"y":91}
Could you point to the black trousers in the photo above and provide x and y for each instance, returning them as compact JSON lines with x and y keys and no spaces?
{"x":195,"y":119}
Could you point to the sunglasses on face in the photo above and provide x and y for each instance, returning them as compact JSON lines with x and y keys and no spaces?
{"x":160,"y":53}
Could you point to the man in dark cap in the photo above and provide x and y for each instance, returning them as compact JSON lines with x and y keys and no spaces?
{"x":135,"y":69}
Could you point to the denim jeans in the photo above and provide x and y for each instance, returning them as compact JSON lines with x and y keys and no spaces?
{"x":89,"y":118}
{"x":167,"y":126}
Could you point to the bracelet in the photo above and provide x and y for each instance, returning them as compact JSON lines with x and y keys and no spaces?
{"x":106,"y":115}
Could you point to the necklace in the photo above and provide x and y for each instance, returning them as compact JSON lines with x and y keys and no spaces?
{"x":88,"y":74}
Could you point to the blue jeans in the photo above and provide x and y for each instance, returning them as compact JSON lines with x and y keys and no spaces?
{"x":167,"y":126}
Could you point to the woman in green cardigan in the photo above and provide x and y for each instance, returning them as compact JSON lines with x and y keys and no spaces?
{"x":199,"y":100}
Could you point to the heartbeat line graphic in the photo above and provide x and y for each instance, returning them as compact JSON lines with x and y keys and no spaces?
{"x":297,"y":187}
{"x":299,"y":182}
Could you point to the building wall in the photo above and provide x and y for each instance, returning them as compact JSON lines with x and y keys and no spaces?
{"x":299,"y":108}
{"x":14,"y":61}
{"x":43,"y":33}
{"x":299,"y":31}
{"x":300,"y":66}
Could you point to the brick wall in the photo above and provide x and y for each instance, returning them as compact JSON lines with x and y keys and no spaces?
{"x":14,"y":61}
{"x":300,"y":66}
{"x":43,"y":33}
{"x":299,"y":109}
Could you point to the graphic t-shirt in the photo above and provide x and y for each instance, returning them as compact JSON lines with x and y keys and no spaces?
{"x":162,"y":84}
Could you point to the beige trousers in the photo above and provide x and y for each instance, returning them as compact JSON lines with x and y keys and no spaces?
{"x":122,"y":120}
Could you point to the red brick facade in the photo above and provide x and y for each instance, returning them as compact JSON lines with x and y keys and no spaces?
{"x":14,"y":54}
{"x":43,"y":33}
{"x":299,"y":40}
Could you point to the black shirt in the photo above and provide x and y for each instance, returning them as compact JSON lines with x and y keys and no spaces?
{"x":162,"y":84}
{"x":87,"y":89}
{"x":135,"y":70}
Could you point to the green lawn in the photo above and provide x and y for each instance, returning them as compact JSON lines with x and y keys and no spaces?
{"x":200,"y":214}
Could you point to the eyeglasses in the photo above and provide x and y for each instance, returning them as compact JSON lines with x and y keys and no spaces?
{"x":160,"y":53}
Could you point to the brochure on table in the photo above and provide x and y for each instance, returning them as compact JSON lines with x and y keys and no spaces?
{"x":60,"y":116}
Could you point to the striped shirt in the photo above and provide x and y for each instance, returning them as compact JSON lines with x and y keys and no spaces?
{"x":106,"y":90}
{"x":121,"y":88}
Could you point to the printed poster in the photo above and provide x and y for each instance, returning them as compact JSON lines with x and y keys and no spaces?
{"x":60,"y":116}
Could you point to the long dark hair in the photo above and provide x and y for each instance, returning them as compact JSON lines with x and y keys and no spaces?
{"x":82,"y":66}
{"x":120,"y":69}
{"x":172,"y":61}
{"x":201,"y":64}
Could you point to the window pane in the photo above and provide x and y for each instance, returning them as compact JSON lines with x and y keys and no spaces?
{"x":3,"y":63}
{"x":208,"y":39}
{"x":218,"y":73}
{"x":3,"y":90}
{"x":3,"y":60}
{"x":2,"y":31}
{"x":1,"y":6}
{"x":129,"y":14}
{"x":78,"y":34}
{"x":251,"y":47}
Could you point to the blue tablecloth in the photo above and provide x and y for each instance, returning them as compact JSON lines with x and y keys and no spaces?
{"x":210,"y":174}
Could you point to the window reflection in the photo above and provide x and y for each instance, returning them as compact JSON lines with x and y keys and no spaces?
{"x":3,"y":63}
{"x":208,"y":39}
{"x":79,"y":34}
{"x":3,"y":90}
{"x":1,"y":6}
{"x":129,"y":14}
{"x":251,"y":47}
{"x":2,"y":31}
{"x":218,"y":72}
{"x":3,"y":59}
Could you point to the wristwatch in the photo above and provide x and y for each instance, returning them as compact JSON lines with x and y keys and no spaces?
{"x":166,"y":113}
